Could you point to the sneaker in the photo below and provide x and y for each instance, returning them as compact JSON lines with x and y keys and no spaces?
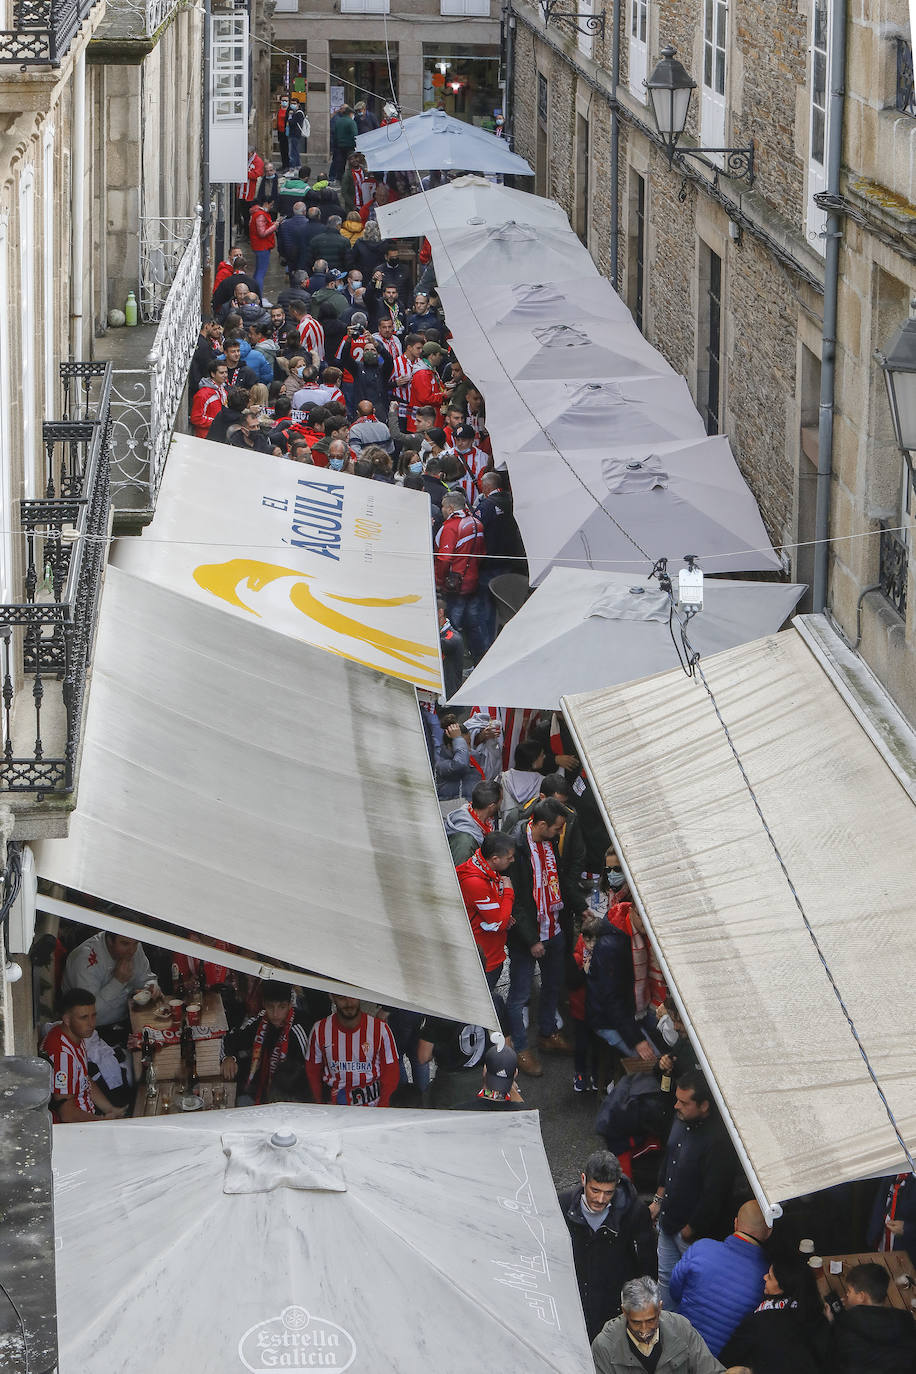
{"x":592,"y":1084}
{"x":578,"y":1083}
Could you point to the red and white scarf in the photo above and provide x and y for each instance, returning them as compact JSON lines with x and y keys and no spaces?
{"x":486,"y":826}
{"x":259,"y":1082}
{"x":546,"y":885}
{"x":890,"y":1211}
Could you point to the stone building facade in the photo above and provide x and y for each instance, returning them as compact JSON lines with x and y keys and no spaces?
{"x":728,"y":279}
{"x":439,"y":50}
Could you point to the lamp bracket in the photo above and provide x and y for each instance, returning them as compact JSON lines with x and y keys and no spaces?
{"x":739,"y":162}
{"x":585,"y":23}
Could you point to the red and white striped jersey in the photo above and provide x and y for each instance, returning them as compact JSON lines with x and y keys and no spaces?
{"x":392,"y":346}
{"x":476,"y":462}
{"x":359,"y":1067}
{"x":311,"y":335}
{"x":402,"y":372}
{"x":69,"y":1069}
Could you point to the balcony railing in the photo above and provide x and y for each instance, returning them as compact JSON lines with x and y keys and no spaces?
{"x":133,"y":20}
{"x":145,"y":400}
{"x":906,"y":96}
{"x":43,"y":31}
{"x":46,"y":640}
{"x":892,"y":569}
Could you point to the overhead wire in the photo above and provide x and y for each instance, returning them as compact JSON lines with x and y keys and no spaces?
{"x":691,"y":665}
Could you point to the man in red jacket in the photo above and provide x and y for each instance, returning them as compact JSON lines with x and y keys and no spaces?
{"x":248,"y":190}
{"x":426,"y":387}
{"x":262,"y":235}
{"x":459,"y":550}
{"x":209,"y":399}
{"x":488,"y":897}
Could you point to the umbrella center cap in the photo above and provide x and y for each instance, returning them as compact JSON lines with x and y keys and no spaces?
{"x":634,"y":467}
{"x":283,"y":1139}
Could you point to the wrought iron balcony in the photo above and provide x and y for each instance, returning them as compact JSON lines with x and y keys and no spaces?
{"x":42,"y":33}
{"x":892,"y":569}
{"x":133,"y":22}
{"x":906,"y":96}
{"x":145,"y":400}
{"x":46,"y":640}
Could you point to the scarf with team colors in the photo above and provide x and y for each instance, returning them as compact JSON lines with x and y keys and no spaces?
{"x":546,"y":885}
{"x":277,"y":1054}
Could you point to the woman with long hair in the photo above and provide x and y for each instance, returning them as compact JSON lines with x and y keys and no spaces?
{"x":787,"y":1332}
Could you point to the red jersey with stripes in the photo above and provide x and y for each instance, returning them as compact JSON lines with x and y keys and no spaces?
{"x":476,"y":462}
{"x":357,"y":1068}
{"x":69,"y":1070}
{"x":311,"y":335}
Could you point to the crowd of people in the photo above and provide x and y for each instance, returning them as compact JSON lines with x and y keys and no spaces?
{"x":348,"y":366}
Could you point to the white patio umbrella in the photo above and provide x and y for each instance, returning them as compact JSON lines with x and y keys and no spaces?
{"x":509,"y":253}
{"x":673,"y":499}
{"x":631,"y":412}
{"x":534,"y":304}
{"x":294,"y":1237}
{"x":584,"y":630}
{"x":467,"y":202}
{"x":587,"y":350}
{"x":434,"y":141}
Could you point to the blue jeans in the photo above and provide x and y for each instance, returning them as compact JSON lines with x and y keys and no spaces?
{"x":521,"y":976}
{"x":466,"y":616}
{"x":261,"y":259}
{"x":616,"y":1042}
{"x":670,"y":1249}
{"x":295,"y":157}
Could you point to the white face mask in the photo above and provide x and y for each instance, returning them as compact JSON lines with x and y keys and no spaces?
{"x":284,"y":103}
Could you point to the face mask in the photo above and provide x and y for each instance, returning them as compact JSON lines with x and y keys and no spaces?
{"x":336,"y":464}
{"x":298,"y":371}
{"x":370,"y":362}
{"x":415,"y":469}
{"x":284,"y":103}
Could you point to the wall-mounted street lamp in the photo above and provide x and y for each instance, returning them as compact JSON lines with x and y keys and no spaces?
{"x":582,"y":22}
{"x":899,"y":368}
{"x":670,"y":87}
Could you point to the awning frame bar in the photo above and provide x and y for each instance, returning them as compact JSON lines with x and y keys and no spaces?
{"x":771,"y":1210}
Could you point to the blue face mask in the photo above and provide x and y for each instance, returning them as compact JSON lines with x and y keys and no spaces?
{"x":415,"y":469}
{"x":336,"y":463}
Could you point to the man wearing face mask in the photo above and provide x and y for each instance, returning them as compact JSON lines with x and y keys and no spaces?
{"x":369,"y":367}
{"x":338,"y":455}
{"x":281,"y":118}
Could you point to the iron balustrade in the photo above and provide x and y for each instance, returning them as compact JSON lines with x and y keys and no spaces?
{"x":46,"y":640}
{"x":893,"y":562}
{"x":906,"y":96}
{"x":43,"y":31}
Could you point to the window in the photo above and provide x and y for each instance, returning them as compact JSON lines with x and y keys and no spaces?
{"x":286,"y":6}
{"x":479,"y":9}
{"x":28,"y":315}
{"x":638,"y":49}
{"x":816,"y":219}
{"x":636,"y":257}
{"x":585,"y":42}
{"x":541,"y":148}
{"x":365,"y":6}
{"x":6,"y":544}
{"x":229,"y":68}
{"x":715,"y":37}
{"x":709,"y":369}
{"x":48,"y":277}
{"x":583,"y":171}
{"x":542,"y":98}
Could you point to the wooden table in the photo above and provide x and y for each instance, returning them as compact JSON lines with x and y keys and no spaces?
{"x":896,"y":1262}
{"x":167,"y":1058}
{"x":170,"y":1091}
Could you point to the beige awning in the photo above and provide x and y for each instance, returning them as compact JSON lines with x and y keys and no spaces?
{"x":794,"y":1085}
{"x":241,"y":785}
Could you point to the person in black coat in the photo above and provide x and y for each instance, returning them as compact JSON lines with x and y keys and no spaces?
{"x":224,"y":291}
{"x":368,"y":251}
{"x":869,"y":1337}
{"x":393,"y":273}
{"x":787,"y":1331}
{"x":371,"y":374}
{"x":294,"y":236}
{"x":231,"y":414}
{"x":610,"y":997}
{"x":612,"y":1236}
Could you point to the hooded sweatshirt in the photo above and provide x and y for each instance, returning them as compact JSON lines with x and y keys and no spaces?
{"x":465,"y":833}
{"x":489,"y":753}
{"x":519,"y":788}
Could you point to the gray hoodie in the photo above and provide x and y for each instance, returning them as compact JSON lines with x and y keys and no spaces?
{"x":518,"y":788}
{"x":464,"y":834}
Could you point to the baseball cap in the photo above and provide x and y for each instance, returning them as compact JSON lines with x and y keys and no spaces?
{"x":500,"y":1065}
{"x":335,"y":274}
{"x":432,"y":348}
{"x":464,"y":432}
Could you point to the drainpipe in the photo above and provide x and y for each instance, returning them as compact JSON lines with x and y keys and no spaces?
{"x":615,"y":148}
{"x":831,"y":291}
{"x":78,"y":206}
{"x":508,"y":70}
{"x":205,"y":227}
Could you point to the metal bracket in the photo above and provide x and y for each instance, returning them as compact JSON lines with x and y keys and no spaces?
{"x":739,"y":162}
{"x":583,"y":23}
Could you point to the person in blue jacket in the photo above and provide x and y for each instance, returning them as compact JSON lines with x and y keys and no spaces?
{"x":716,"y":1283}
